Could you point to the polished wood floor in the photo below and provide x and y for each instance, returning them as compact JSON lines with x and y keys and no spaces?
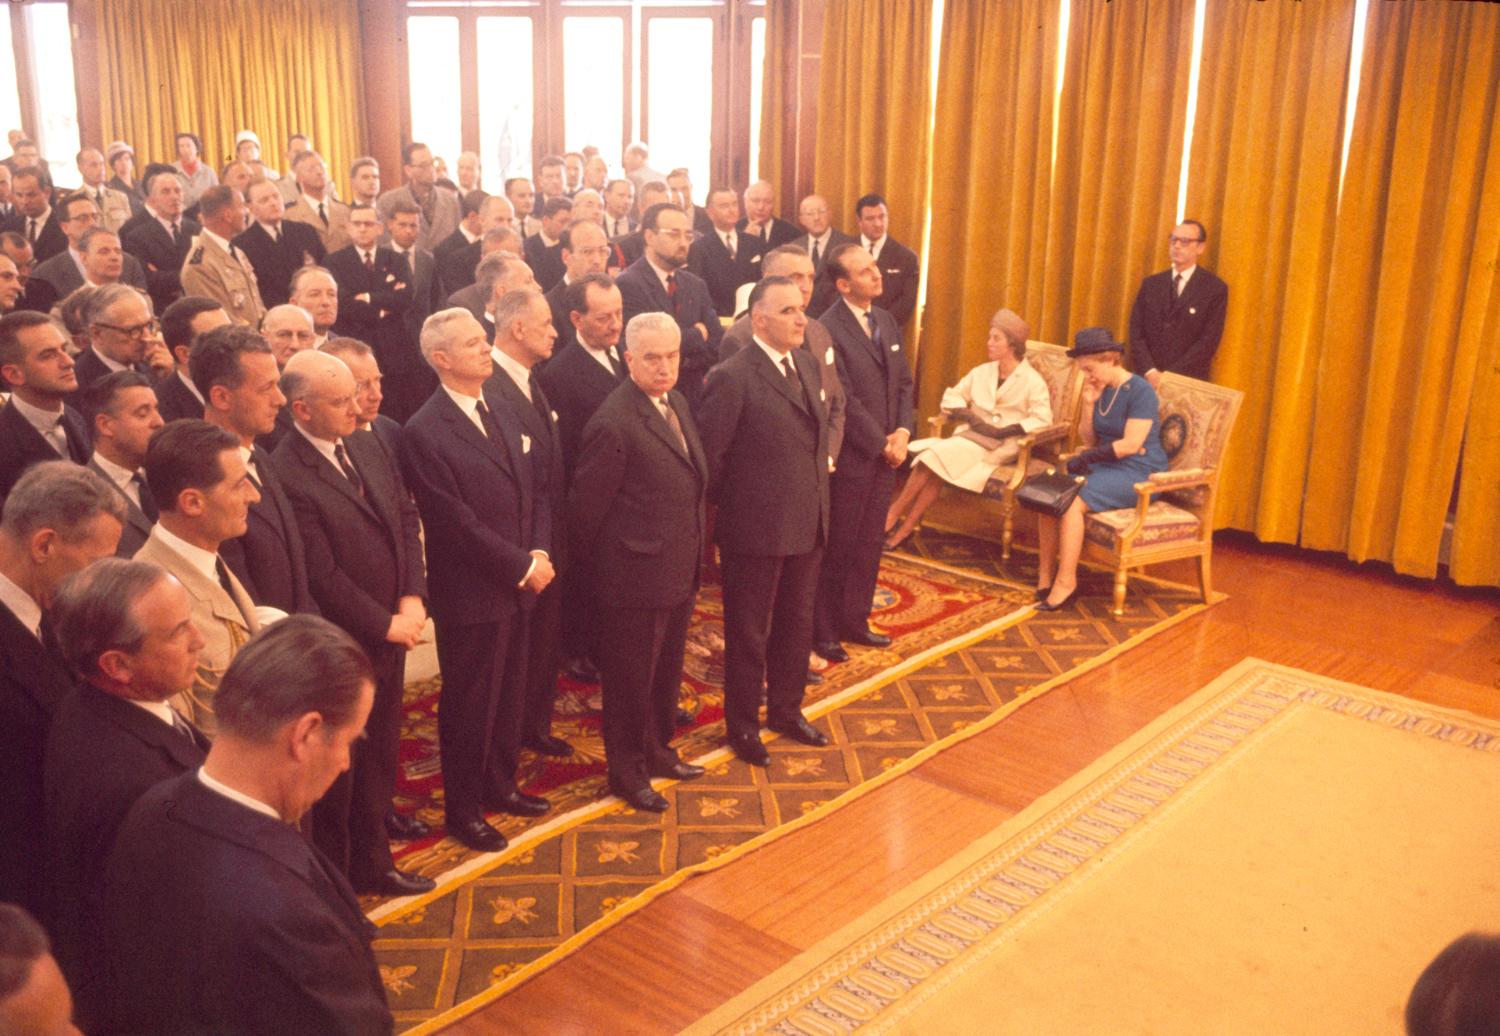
{"x":709,"y":939}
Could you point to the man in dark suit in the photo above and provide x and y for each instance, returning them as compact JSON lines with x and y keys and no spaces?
{"x":122,"y":413}
{"x":761,"y":221}
{"x":10,"y":284}
{"x":218,"y":915}
{"x":577,"y":381}
{"x":100,"y":262}
{"x":176,"y":395}
{"x":125,"y":627}
{"x":724,"y":257}
{"x":524,"y":338}
{"x":458,"y":253}
{"x":658,"y":283}
{"x":276,"y":247}
{"x":1178,"y":315}
{"x":55,"y":505}
{"x":160,"y":237}
{"x":411,"y":380}
{"x":487,"y":559}
{"x":37,"y":424}
{"x":619,"y":199}
{"x":544,"y":248}
{"x":638,"y":501}
{"x":765,"y":432}
{"x":236,"y":371}
{"x":365,"y":571}
{"x":585,"y":251}
{"x":680,"y":193}
{"x":39,"y":221}
{"x":628,"y":250}
{"x":375,"y":292}
{"x":898,"y":264}
{"x":122,"y":336}
{"x":821,"y":238}
{"x":877,"y":426}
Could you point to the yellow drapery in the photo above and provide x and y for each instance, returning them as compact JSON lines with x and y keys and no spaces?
{"x":778,"y":103}
{"x":1264,"y":180}
{"x":1119,"y":159}
{"x":873,"y":110}
{"x":215,"y":68}
{"x":1410,"y":291}
{"x":990,"y":170}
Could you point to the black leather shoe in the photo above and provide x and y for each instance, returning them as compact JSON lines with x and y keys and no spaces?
{"x":799,"y":729}
{"x":1060,"y":605}
{"x":866,"y":638}
{"x":546,"y":744}
{"x":678,"y":771}
{"x":832,"y":650}
{"x":396,"y":883}
{"x":814,"y":677}
{"x":684,"y":717}
{"x":404,"y":828}
{"x":1043,"y":592}
{"x":580,"y":669}
{"x":519,"y":804}
{"x":646,"y":798}
{"x":751,"y":750}
{"x":477,"y":835}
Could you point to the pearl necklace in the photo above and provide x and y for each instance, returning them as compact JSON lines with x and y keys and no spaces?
{"x":1118,"y":389}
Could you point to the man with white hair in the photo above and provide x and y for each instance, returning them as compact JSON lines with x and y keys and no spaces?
{"x":288,"y":330}
{"x":761,"y":221}
{"x":314,"y":290}
{"x":470,"y":469}
{"x":365,"y":571}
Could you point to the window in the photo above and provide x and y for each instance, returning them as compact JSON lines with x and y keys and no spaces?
{"x":10,"y":90}
{"x":39,"y":65}
{"x":436,"y":97}
{"x":757,"y":90}
{"x":679,"y":120}
{"x":506,"y":98}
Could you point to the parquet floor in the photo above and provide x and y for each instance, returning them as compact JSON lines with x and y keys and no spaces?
{"x":711,"y":938}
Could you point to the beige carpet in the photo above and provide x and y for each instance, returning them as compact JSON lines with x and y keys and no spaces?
{"x":1282,"y":853}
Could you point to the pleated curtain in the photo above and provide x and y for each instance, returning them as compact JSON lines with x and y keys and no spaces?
{"x":778,"y":106}
{"x":215,"y":67}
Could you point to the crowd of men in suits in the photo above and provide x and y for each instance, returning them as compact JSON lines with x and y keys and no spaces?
{"x":253,"y":449}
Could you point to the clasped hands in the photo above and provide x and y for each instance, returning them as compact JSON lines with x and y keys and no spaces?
{"x":895,"y":447}
{"x":406,"y":624}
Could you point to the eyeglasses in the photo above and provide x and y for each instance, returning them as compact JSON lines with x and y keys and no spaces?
{"x":149,"y":328}
{"x":1173,"y":239}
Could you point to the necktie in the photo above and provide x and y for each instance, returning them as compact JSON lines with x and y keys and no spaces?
{"x":31,"y":230}
{"x":817,"y":254}
{"x":223,"y":574}
{"x":323,"y":214}
{"x":370,"y":261}
{"x":146,"y":501}
{"x":484,"y":418}
{"x":729,"y":244}
{"x":1177,"y":286}
{"x":539,"y":400}
{"x":673,"y":423}
{"x":253,"y":474}
{"x":874,"y":331}
{"x":672,"y":291}
{"x":614,"y":364}
{"x":350,"y":472}
{"x":276,"y":235}
{"x":58,"y":438}
{"x":176,"y":235}
{"x":793,"y":380}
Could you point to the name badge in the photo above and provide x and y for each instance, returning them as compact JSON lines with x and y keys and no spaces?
{"x":525,"y":443}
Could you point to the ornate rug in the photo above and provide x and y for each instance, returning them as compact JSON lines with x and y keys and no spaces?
{"x":1280,"y":853}
{"x":967,"y":646}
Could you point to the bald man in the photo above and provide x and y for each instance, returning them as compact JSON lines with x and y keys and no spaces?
{"x":821,"y":237}
{"x":760,"y":220}
{"x":365,"y":571}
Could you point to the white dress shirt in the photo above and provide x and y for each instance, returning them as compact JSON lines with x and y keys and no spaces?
{"x":123,"y":478}
{"x":48,"y":423}
{"x":235,"y":796}
{"x":873,"y":247}
{"x":160,"y":709}
{"x":329,"y":450}
{"x":470,"y":406}
{"x":27,"y":612}
{"x":602,"y":355}
{"x":519,"y":373}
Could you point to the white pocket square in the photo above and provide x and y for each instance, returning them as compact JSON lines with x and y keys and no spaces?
{"x":554,"y":416}
{"x":895,"y":348}
{"x":525,"y":443}
{"x":828,"y":356}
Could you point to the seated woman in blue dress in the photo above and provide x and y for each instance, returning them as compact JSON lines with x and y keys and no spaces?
{"x":1122,"y":446}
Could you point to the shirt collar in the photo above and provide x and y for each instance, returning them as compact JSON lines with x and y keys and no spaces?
{"x":21,"y":604}
{"x":519,"y":373}
{"x":661,"y":274}
{"x":1186,"y":275}
{"x":42,"y":420}
{"x":323,"y":446}
{"x":471,"y":238}
{"x":599,"y":353}
{"x":160,"y":709}
{"x":116,"y":474}
{"x":235,"y":796}
{"x":113,"y":365}
{"x":861,"y":313}
{"x":273,"y":229}
{"x":216,"y":239}
{"x":774,"y":356}
{"x":41,"y":221}
{"x":203,"y":562}
{"x":468,"y":404}
{"x":182,"y":376}
{"x":873,"y":247}
{"x":313,"y":203}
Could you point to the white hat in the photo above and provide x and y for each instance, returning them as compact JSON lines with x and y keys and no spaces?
{"x":244,"y":135}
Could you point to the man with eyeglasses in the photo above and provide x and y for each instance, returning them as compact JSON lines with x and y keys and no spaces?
{"x":585,"y":250}
{"x":659,"y":282}
{"x":822,"y":237}
{"x":123,"y":336}
{"x":439,"y":209}
{"x":1178,"y":315}
{"x":56,"y":277}
{"x":288,"y":330}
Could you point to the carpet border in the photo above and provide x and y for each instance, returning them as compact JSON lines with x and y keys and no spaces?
{"x":721,"y":1018}
{"x":643,"y":899}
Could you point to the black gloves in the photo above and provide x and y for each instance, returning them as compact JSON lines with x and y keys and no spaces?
{"x":1089,"y":457}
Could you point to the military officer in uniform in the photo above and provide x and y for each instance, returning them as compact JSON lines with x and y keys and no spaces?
{"x":215,"y":267}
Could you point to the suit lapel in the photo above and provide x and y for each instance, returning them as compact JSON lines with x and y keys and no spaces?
{"x":498,"y":452}
{"x":771,"y":373}
{"x":325,"y":472}
{"x":653,"y":419}
{"x":133,"y":514}
{"x":148,"y":729}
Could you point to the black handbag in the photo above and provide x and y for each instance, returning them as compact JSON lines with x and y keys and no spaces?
{"x":1050,"y":492}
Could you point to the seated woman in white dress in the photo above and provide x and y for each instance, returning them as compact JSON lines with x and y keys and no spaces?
{"x":995,"y":403}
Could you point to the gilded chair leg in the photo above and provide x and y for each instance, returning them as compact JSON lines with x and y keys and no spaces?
{"x":1007,"y":528}
{"x":1120,"y":577}
{"x":1204,"y":582}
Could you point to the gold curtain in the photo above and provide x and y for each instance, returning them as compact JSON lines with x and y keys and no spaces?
{"x":214,"y":68}
{"x":1119,"y":159}
{"x":991,"y":162}
{"x":873,"y":110}
{"x":1413,"y":276}
{"x":778,"y":104}
{"x":1264,"y":180}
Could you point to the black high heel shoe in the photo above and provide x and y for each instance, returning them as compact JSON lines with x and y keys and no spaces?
{"x":1060,"y":605}
{"x":1043,"y":592}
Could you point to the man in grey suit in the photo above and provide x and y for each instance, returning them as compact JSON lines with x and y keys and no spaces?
{"x":821,"y":238}
{"x":122,"y":414}
{"x":439,"y":208}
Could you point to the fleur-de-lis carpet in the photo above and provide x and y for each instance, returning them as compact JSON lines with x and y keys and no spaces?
{"x":966,"y":645}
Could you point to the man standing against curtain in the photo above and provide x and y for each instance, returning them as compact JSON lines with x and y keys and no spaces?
{"x":1178,"y":315}
{"x":821,"y":239}
{"x":114,"y":206}
{"x":315,"y":205}
{"x":160,"y":237}
{"x":276,"y":246}
{"x":898,"y":264}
